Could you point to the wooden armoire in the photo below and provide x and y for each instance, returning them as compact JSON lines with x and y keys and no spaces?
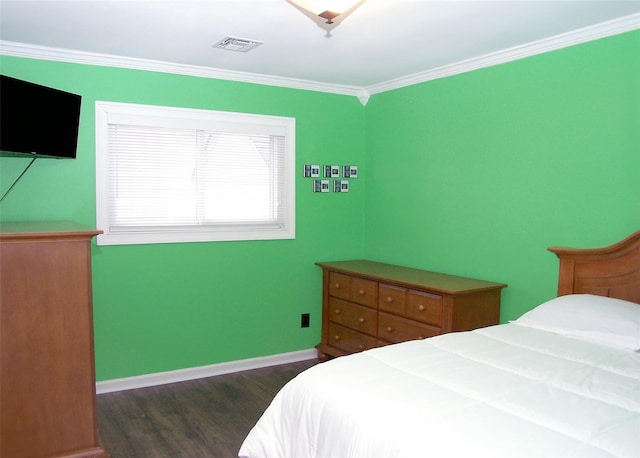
{"x":47,"y":374}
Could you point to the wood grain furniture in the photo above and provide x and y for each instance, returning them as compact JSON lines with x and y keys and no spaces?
{"x":47,"y":378}
{"x":612,"y":271}
{"x":559,"y":381}
{"x":368,"y":304}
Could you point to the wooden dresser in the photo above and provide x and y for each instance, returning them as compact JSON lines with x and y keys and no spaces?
{"x":367,"y":304}
{"x":47,"y":378}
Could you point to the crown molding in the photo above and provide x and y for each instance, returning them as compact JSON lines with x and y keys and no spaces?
{"x":15,"y":49}
{"x":594,"y":32}
{"x":602,"y":30}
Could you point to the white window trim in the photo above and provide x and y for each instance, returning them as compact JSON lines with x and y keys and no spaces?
{"x":172,"y":117}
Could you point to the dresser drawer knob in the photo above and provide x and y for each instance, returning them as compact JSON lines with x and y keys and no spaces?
{"x":336,"y":338}
{"x":361,"y":347}
{"x":389,"y":299}
{"x":338,"y":285}
{"x":338,"y":311}
{"x":389,"y":329}
{"x":421,"y":308}
{"x":361,"y":319}
{"x":362,"y":292}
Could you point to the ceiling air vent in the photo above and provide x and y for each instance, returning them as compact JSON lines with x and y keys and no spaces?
{"x":237,"y":44}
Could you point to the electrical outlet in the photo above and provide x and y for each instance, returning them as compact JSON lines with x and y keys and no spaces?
{"x":304,"y":320}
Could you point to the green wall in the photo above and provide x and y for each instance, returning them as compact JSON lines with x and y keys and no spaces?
{"x":474,"y":174}
{"x":171,"y":306}
{"x":477,"y":174}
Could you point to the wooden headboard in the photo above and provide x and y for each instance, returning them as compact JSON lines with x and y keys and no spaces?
{"x":612,"y":271}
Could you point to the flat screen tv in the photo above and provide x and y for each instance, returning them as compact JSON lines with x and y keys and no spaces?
{"x":36,"y":120}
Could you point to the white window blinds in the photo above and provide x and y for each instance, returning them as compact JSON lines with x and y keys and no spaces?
{"x":224,"y":176}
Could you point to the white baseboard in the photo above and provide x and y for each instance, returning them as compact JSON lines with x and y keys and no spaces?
{"x":192,"y":373}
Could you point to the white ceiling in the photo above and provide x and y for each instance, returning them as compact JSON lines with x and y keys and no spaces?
{"x":382,"y":41}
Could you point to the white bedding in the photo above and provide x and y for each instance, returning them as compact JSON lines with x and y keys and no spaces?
{"x":502,"y":391}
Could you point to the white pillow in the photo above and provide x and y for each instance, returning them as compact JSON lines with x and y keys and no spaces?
{"x":608,"y":321}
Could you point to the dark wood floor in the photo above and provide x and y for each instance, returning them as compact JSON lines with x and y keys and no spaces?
{"x":209,"y":417}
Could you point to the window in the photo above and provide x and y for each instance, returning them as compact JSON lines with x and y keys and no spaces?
{"x":182,"y":175}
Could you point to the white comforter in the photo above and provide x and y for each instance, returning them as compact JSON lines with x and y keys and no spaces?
{"x":503,"y":391}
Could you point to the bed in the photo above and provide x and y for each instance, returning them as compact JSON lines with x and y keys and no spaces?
{"x":561,"y":381}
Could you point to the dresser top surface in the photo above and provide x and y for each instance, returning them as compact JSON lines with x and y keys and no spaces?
{"x":410,"y":277}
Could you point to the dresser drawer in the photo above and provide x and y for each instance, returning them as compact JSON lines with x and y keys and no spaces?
{"x":354,"y":289}
{"x":391,"y":298}
{"x":349,"y":340}
{"x":339,"y":285}
{"x":359,"y":317}
{"x":364,"y":292}
{"x":425,"y":307}
{"x":393,"y":328}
